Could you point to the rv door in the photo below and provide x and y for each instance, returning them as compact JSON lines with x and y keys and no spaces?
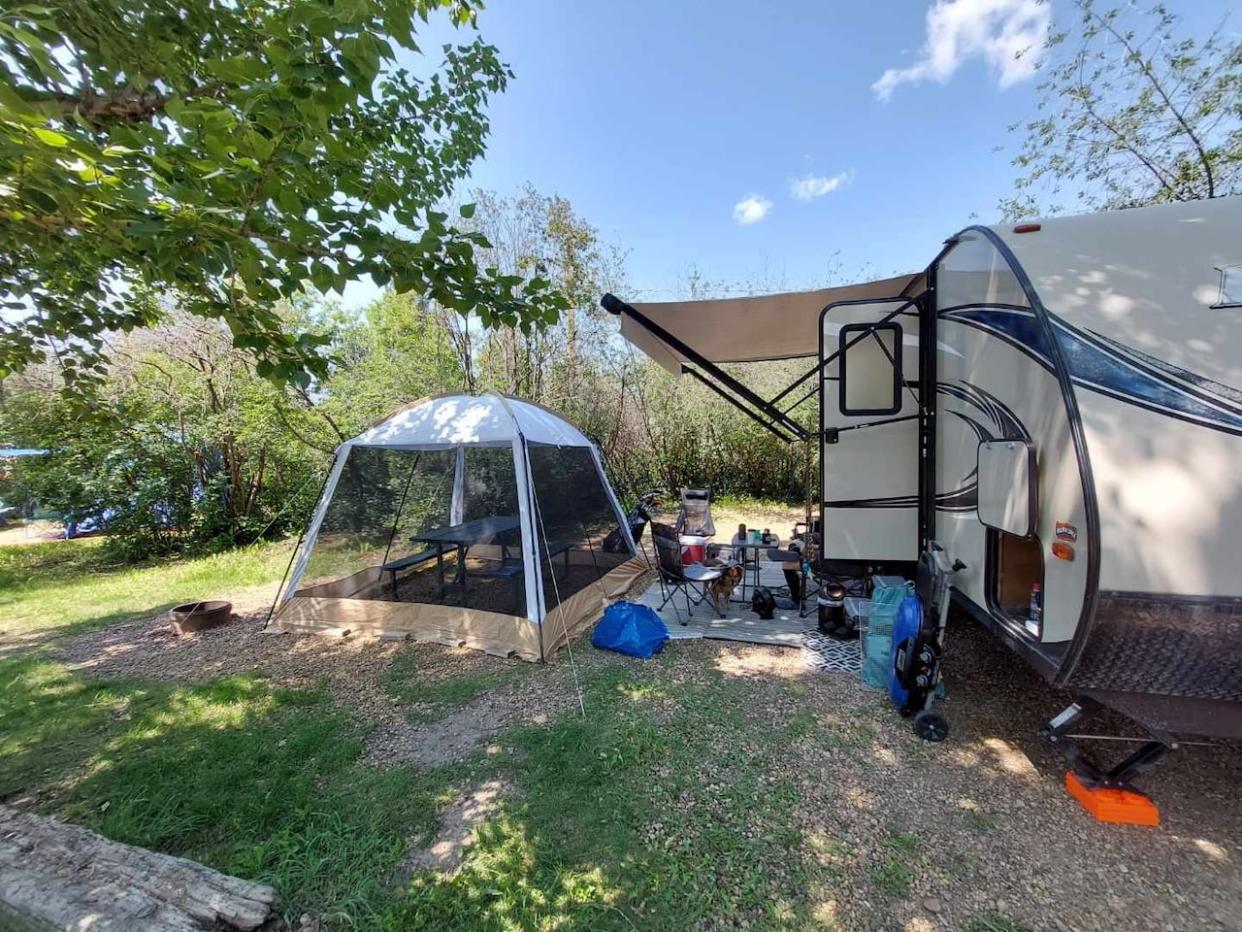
{"x":869,"y":422}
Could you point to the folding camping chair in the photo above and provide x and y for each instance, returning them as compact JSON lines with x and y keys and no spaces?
{"x":695,"y":516}
{"x":694,"y":581}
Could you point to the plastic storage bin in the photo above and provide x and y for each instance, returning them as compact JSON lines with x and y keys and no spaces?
{"x":877,"y":635}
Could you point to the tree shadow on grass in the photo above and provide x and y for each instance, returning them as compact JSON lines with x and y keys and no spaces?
{"x":628,"y":818}
{"x":18,"y":643}
{"x":262,"y":783}
{"x":720,"y":796}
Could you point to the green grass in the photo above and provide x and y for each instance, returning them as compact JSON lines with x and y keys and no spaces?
{"x":894,"y":874}
{"x":597,"y":841}
{"x":617,"y":819}
{"x":259,"y":782}
{"x":64,"y":587}
{"x":669,"y":806}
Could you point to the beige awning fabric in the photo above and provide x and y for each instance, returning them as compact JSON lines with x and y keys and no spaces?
{"x":753,"y":329}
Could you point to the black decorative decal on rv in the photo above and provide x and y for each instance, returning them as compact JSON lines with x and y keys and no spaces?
{"x":1132,"y":376}
{"x":1111,"y":368}
{"x":989,"y":418}
{"x":1004,"y":424}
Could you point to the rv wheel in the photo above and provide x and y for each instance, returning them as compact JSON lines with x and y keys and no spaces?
{"x":931,"y":726}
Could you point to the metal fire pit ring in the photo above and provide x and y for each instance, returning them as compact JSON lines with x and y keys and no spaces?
{"x":197,"y":616}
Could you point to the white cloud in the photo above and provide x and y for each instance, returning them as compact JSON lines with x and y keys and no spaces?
{"x":810,"y":187}
{"x":751,"y":209}
{"x":1008,"y":34}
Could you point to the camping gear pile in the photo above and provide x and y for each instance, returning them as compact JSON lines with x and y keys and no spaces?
{"x":901,"y":628}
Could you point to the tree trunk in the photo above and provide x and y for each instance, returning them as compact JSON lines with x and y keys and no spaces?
{"x":59,"y":876}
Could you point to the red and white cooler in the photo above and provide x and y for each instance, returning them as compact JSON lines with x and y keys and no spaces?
{"x":693,"y":549}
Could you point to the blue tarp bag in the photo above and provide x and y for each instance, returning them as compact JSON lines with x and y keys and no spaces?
{"x":631,"y":629}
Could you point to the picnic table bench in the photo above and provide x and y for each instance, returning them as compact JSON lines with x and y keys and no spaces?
{"x":393,"y":567}
{"x":461,"y":537}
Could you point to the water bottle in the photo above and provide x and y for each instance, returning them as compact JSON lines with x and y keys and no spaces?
{"x":1035,"y":612}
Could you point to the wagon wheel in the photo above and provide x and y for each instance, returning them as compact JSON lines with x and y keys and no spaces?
{"x":931,"y":726}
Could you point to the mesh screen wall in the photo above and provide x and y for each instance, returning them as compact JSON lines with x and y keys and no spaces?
{"x":577,"y":527}
{"x":389,"y":532}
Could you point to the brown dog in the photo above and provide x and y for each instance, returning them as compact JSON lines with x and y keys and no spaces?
{"x":722,"y":588}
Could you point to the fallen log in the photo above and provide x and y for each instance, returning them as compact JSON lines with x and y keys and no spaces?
{"x":61,"y":876}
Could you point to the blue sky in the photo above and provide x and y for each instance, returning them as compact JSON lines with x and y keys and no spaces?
{"x":659,"y":120}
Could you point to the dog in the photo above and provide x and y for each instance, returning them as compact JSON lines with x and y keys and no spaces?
{"x":722,"y":588}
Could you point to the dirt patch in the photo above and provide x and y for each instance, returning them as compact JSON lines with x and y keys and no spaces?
{"x":352,"y":670}
{"x":979,"y":832}
{"x":347,"y":667}
{"x":544,"y":694}
{"x":894,"y":833}
{"x":30,"y":532}
{"x":458,"y":821}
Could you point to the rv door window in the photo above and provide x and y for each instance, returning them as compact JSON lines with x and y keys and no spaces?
{"x":870,"y":369}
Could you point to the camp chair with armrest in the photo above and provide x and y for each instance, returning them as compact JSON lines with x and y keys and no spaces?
{"x":695,"y":516}
{"x":693,"y":581}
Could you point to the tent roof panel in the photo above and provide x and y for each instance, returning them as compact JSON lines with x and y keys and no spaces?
{"x":449,"y":420}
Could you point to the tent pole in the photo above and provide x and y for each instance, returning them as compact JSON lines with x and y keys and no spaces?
{"x":301,"y":537}
{"x":396,"y":520}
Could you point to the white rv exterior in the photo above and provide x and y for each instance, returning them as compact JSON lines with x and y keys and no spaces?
{"x":1110,"y":347}
{"x":1056,"y":403}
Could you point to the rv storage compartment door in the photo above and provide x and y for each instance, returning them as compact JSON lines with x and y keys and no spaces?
{"x":1007,"y":499}
{"x":869,"y":415}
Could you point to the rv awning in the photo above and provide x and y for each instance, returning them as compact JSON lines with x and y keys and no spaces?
{"x":753,"y":329}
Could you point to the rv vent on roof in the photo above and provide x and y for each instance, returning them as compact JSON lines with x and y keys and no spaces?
{"x":1230,"y":286}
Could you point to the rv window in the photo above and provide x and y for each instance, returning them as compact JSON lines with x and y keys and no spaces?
{"x":1230,"y":286}
{"x":870,"y":369}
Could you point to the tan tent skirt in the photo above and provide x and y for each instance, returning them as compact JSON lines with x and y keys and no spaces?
{"x":335,"y":608}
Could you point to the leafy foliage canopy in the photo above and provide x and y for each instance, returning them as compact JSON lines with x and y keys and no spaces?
{"x":230,"y":151}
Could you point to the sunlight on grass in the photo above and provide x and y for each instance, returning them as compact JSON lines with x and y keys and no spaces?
{"x":259,"y":782}
{"x":68,"y":585}
{"x":622,"y":823}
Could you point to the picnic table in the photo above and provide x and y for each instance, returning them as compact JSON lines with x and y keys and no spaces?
{"x":461,"y":537}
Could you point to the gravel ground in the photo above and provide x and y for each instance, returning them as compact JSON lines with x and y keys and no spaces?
{"x":350,"y":669}
{"x":919,"y":836}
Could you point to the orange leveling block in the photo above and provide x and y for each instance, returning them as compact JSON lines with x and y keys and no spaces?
{"x":1107,"y":793}
{"x":1109,"y":804}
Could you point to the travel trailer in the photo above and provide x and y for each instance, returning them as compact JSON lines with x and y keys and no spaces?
{"x":1059,"y":405}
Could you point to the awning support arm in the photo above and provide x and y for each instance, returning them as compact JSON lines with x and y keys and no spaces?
{"x":772,"y":428}
{"x":816,"y":369}
{"x":614,"y":305}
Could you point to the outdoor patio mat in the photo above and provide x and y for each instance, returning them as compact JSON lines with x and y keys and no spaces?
{"x":828,"y":655}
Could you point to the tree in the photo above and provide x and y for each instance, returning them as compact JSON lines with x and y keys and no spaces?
{"x":185,"y":449}
{"x":230,"y":151}
{"x":1135,"y":114}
